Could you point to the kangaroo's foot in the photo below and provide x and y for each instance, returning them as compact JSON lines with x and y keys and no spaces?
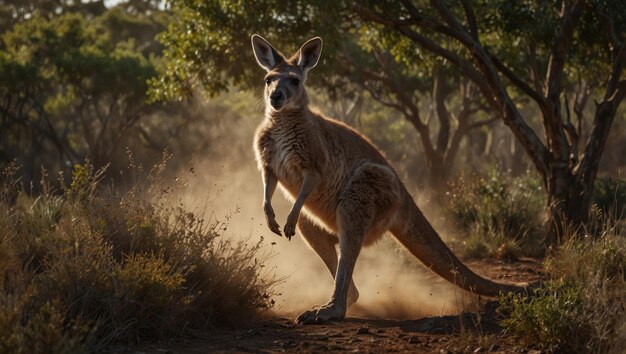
{"x":319,"y":314}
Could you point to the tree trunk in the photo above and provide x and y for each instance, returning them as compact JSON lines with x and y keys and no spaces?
{"x":439,"y":174}
{"x":568,"y":204}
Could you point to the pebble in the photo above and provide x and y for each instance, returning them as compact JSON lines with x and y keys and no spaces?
{"x":363,"y":330}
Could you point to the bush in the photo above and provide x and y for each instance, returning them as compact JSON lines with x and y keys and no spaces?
{"x":88,"y":266}
{"x":42,"y":329}
{"x":609,"y":195}
{"x":500,"y":215}
{"x":581,"y":309}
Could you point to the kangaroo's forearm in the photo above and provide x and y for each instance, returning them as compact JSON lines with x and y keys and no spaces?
{"x":270,"y":181}
{"x":309,"y":182}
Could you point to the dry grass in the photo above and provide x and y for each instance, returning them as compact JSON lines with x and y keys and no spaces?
{"x":581,"y":308}
{"x":86,"y":266}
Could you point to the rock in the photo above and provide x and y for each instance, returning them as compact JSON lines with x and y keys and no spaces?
{"x":414,"y":340}
{"x":363,"y":330}
{"x":289,"y":344}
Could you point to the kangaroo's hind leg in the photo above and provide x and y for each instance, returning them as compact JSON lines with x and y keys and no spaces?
{"x":367,"y":205}
{"x":323,"y":243}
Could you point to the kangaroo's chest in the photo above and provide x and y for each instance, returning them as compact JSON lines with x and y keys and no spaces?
{"x":286,"y":152}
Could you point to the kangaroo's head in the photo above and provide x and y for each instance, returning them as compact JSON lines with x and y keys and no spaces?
{"x":284,"y":82}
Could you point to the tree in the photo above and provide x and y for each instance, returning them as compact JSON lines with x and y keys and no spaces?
{"x":69,"y":90}
{"x":560,"y":37}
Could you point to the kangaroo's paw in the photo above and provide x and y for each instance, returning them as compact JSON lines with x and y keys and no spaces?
{"x":321,"y":314}
{"x":290,"y":225}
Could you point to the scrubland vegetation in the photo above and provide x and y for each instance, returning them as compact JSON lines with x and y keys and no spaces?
{"x":580,"y":308}
{"x":499,"y":215}
{"x":89,"y":265}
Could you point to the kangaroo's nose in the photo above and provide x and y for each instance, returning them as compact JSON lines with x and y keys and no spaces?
{"x":276,"y":95}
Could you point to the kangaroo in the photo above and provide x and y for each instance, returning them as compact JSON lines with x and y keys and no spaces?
{"x":344,"y":191}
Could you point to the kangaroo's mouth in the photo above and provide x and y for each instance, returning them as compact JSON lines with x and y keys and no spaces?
{"x":277,"y":104}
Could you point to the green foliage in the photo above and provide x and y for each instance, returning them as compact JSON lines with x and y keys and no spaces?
{"x":77,"y":273}
{"x":551,"y":318}
{"x":609,"y":196}
{"x":581,"y":308}
{"x":500,"y":215}
{"x":209,"y":43}
{"x":73,"y":86}
{"x":475,"y":246}
{"x":531,"y":24}
{"x":84,"y":181}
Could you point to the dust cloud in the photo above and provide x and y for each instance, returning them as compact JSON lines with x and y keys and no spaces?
{"x":392,"y":284}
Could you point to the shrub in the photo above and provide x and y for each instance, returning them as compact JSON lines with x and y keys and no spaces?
{"x":499,"y":215}
{"x":42,"y":329}
{"x":609,"y":195}
{"x":86,"y":266}
{"x":581,"y":309}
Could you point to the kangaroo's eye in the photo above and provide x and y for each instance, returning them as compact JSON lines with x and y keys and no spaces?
{"x":295,"y":82}
{"x":268,"y":81}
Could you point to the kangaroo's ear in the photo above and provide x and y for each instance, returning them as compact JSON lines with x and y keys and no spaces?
{"x":309,"y":53}
{"x":265,"y":54}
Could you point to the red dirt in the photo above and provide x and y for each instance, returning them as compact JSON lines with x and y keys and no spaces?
{"x":464,"y":333}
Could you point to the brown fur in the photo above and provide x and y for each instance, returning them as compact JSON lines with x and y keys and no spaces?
{"x":349,"y":192}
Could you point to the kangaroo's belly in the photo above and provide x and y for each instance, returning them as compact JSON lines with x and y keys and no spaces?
{"x":321,"y":204}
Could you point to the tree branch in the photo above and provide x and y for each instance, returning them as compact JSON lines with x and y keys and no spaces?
{"x":486,"y":79}
{"x":471,"y":19}
{"x":482,"y":123}
{"x":562,"y":43}
{"x":391,"y":84}
{"x":440,"y":93}
{"x":518,"y":82}
{"x":571,"y":132}
{"x":613,"y":83}
{"x":427,"y":44}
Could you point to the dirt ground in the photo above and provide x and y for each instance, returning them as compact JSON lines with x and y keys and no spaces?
{"x":464,"y":333}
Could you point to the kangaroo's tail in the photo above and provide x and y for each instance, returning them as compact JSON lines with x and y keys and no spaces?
{"x":418,"y":236}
